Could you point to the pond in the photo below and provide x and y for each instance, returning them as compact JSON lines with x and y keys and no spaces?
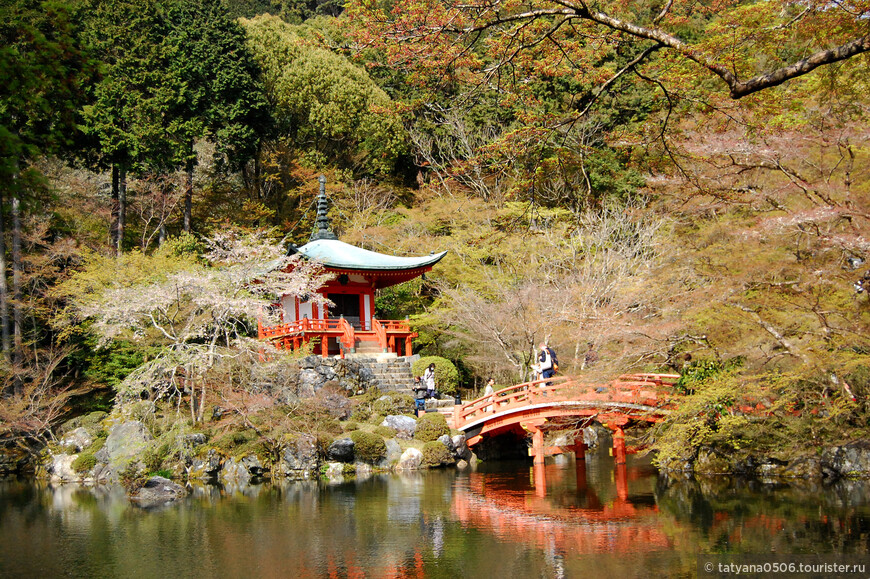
{"x":569,"y":519}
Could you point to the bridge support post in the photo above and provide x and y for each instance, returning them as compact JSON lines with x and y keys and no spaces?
{"x":537,"y":450}
{"x":619,"y":445}
{"x":538,"y":445}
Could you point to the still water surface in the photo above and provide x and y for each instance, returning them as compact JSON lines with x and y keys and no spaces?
{"x":502,"y":520}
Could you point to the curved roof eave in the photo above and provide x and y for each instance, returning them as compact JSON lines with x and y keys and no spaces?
{"x":337,"y":254}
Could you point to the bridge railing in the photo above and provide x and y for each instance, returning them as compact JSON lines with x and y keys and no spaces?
{"x":655,"y":390}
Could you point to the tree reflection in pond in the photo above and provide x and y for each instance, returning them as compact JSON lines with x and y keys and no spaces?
{"x":499,"y":519}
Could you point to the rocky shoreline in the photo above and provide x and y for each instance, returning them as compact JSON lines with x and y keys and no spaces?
{"x":850,"y":460}
{"x":84,"y":455}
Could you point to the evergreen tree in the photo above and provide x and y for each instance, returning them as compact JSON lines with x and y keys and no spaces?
{"x":132,"y":122}
{"x":44,"y":68}
{"x":221,"y":97}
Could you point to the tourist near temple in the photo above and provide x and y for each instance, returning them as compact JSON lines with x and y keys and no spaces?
{"x":350,"y":324}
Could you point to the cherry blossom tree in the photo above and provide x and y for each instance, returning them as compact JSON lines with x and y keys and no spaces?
{"x":201,"y":315}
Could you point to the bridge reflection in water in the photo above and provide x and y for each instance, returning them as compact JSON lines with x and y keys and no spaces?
{"x":580,"y":524}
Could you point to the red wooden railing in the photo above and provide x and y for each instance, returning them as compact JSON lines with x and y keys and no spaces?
{"x":380,"y":332}
{"x":347,"y":338}
{"x":314,"y":326}
{"x":292,"y":335}
{"x":641,"y":390}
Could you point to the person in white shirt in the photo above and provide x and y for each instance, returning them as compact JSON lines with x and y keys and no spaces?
{"x":429,"y":380}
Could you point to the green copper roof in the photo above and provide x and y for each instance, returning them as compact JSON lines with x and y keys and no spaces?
{"x":337,"y":254}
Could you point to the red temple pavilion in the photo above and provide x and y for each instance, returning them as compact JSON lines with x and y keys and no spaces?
{"x":349,"y":325}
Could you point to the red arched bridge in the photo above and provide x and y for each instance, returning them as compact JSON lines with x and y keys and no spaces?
{"x":533,"y":407}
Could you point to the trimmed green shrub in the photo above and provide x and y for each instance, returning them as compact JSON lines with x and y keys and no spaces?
{"x":446,"y":375}
{"x":385,"y":431}
{"x":435,"y":454}
{"x":368,"y":447}
{"x":430,"y":426}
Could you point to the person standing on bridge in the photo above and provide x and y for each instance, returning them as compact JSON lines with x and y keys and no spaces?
{"x":488,"y":392}
{"x":548,"y":362}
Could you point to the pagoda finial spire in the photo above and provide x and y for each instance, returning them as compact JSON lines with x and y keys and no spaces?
{"x":322,"y":229}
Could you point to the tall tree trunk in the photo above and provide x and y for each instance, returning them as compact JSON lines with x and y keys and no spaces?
{"x":4,"y":289}
{"x":113,"y":227}
{"x":122,"y":207}
{"x":188,"y":191}
{"x":17,"y":314}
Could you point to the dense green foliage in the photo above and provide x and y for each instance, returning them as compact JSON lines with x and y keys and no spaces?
{"x":45,"y":68}
{"x":446,"y":375}
{"x":368,"y":447}
{"x":430,"y":426}
{"x":328,"y":107}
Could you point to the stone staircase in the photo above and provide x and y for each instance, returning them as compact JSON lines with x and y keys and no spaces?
{"x":392,"y":373}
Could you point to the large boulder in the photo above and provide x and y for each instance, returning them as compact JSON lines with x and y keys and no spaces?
{"x":254,"y":466}
{"x":807,"y":467}
{"x":208,"y":468}
{"x":299,"y":458}
{"x":403,"y":425}
{"x":309,"y":380}
{"x":448,"y":442}
{"x":460,"y":448}
{"x":335,"y":472}
{"x":394,"y":453}
{"x":337,"y":404}
{"x":157,"y":491}
{"x":78,"y":438}
{"x":60,"y":468}
{"x":411,"y":459}
{"x":341,"y":450}
{"x":850,"y":460}
{"x":242,"y":470}
{"x":126,"y":442}
{"x":234,"y":471}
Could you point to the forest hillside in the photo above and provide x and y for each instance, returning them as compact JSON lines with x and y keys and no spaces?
{"x":671,"y":187}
